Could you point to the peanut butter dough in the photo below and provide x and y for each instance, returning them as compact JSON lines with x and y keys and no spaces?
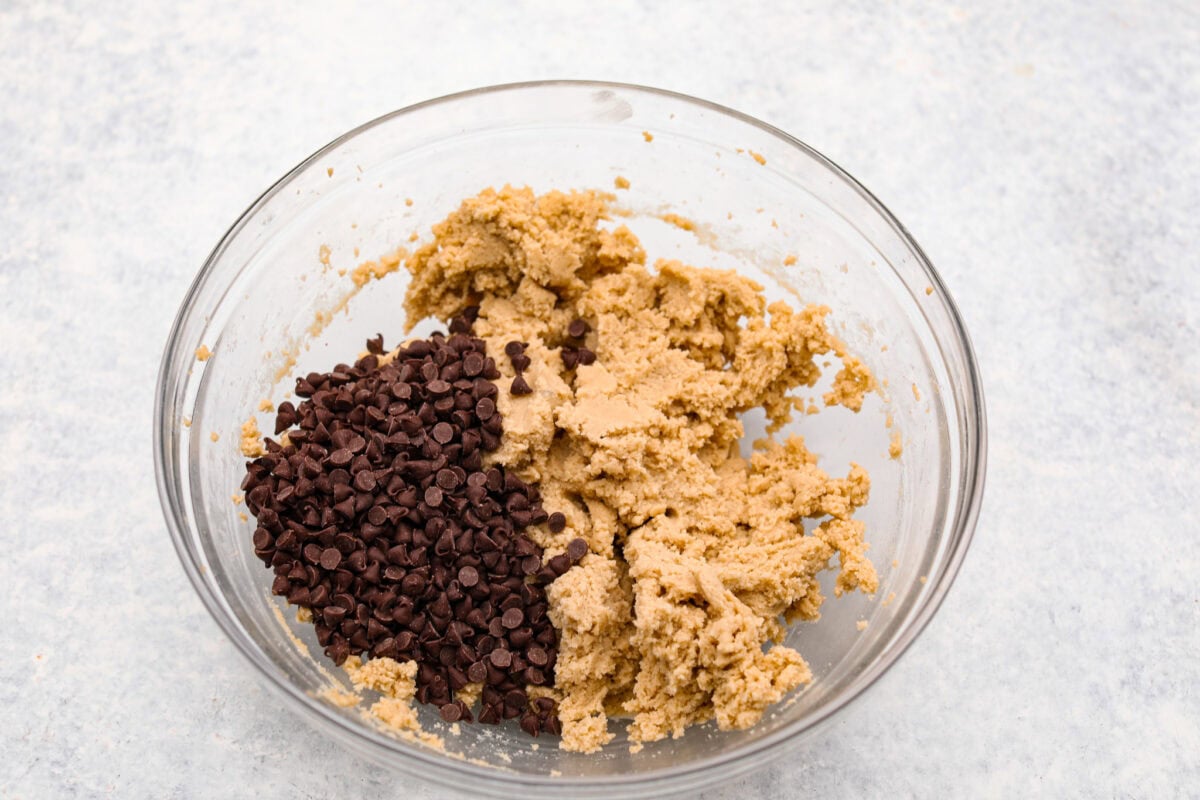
{"x":698,"y":556}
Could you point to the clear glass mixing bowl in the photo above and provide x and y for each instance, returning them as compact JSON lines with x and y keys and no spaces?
{"x":259,"y":293}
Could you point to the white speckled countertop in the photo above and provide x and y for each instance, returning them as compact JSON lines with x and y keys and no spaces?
{"x":1046,"y":155}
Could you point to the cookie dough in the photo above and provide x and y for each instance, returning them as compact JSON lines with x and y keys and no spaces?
{"x":698,"y":556}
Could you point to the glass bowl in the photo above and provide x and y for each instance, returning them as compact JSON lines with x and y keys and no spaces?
{"x":268,"y":309}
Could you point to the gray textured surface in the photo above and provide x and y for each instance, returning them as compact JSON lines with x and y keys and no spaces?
{"x":1045,"y":155}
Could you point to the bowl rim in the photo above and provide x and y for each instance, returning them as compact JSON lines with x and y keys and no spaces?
{"x":746,"y":756}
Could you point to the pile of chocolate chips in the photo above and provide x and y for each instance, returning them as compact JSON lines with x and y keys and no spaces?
{"x":378,"y":514}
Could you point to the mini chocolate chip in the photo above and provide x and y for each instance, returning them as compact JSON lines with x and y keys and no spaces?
{"x":577,"y":329}
{"x":514,"y":349}
{"x":586,"y":356}
{"x":537,"y":656}
{"x":576,"y":550}
{"x":443,"y":432}
{"x":472,"y":364}
{"x":513,"y":618}
{"x":521,"y":362}
{"x":451,"y":712}
{"x":468,"y":576}
{"x":330,"y":558}
{"x":557,"y":522}
{"x":501,"y":658}
{"x":520,"y":387}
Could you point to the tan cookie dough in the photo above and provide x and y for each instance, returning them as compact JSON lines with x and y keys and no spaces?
{"x":698,"y":556}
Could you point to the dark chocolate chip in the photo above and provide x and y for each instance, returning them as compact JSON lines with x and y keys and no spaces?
{"x":520,"y":387}
{"x":577,"y":329}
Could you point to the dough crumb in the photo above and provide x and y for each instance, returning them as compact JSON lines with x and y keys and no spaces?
{"x":789,"y":260}
{"x":916,"y":393}
{"x":621,"y":182}
{"x":203,"y":353}
{"x":339,"y":697}
{"x":214,"y":436}
{"x":329,"y":171}
{"x":649,"y":137}
{"x":265,"y":405}
{"x":923,"y":579}
{"x":861,"y":624}
{"x":928,"y":290}
{"x":757,"y":157}
{"x":236,"y":498}
{"x":368,"y":271}
{"x":683,"y":223}
{"x":408,"y":201}
{"x":323,"y":253}
{"x":251,"y":443}
{"x":895,"y":445}
{"x":187,"y":422}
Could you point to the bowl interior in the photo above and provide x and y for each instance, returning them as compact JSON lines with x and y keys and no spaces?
{"x":263,"y":299}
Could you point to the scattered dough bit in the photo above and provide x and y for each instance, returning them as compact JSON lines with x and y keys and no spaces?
{"x":368,"y":271}
{"x":214,"y":436}
{"x":203,"y":353}
{"x":789,"y":260}
{"x":329,"y":171}
{"x":928,"y":290}
{"x":683,"y":223}
{"x":243,"y":517}
{"x":639,"y":451}
{"x":887,"y":601}
{"x":303,"y":615}
{"x":621,"y":182}
{"x":339,"y":697}
{"x":916,"y":393}
{"x":236,"y":498}
{"x":187,"y":422}
{"x":896,"y":445}
{"x":649,"y":137}
{"x":861,"y":624}
{"x":757,"y":157}
{"x":923,"y":579}
{"x":251,"y":443}
{"x":266,"y":405}
{"x":408,"y":201}
{"x":323,"y":253}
